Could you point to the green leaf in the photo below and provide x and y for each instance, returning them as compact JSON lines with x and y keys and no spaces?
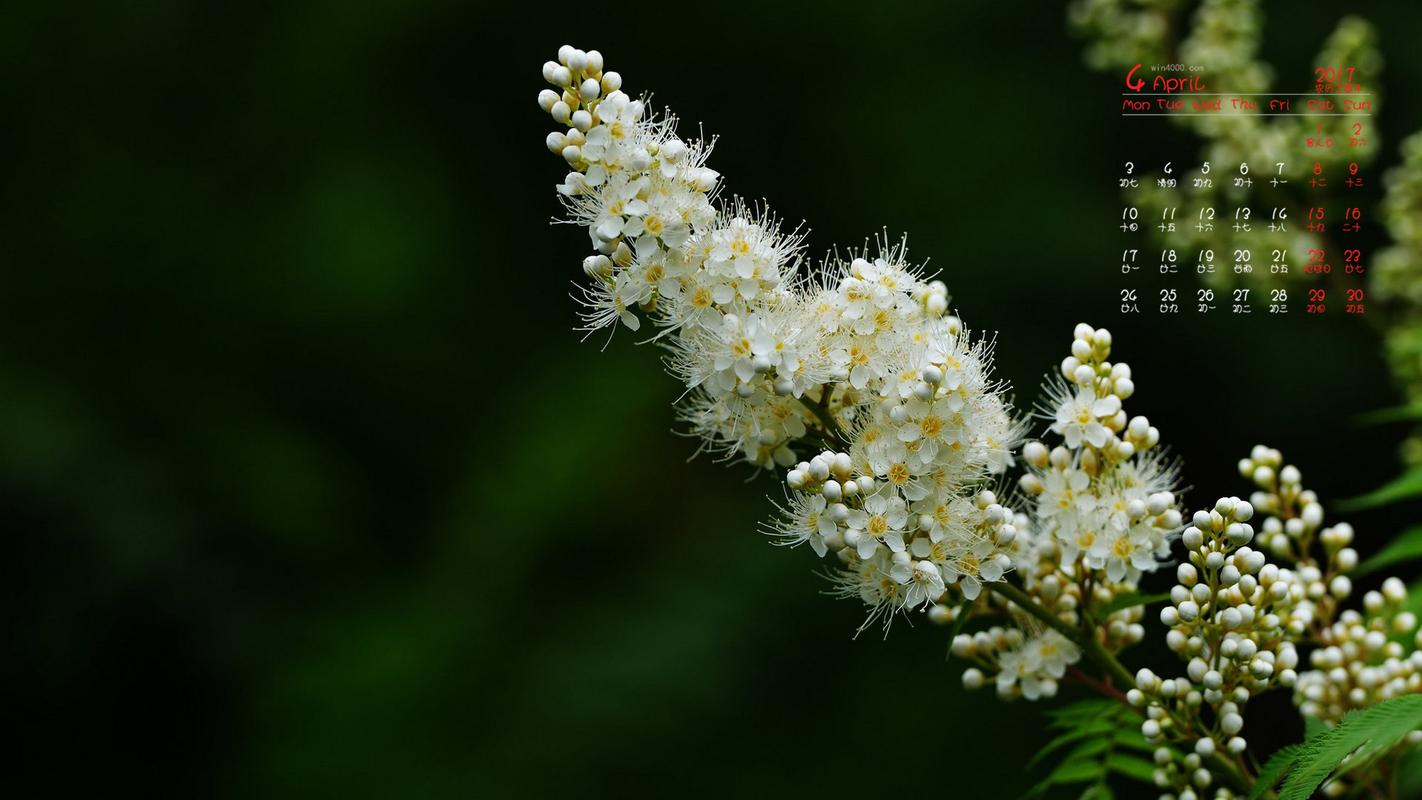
{"x":1313,"y":726}
{"x":1131,"y":767}
{"x":1131,"y":736}
{"x":1098,"y":791}
{"x":1274,"y":769}
{"x":1404,"y":487}
{"x":1362,"y":734}
{"x":1082,"y":710}
{"x":1072,"y":736}
{"x":1383,"y":416}
{"x":1124,"y":601}
{"x":1409,"y":775}
{"x":1086,"y":769}
{"x":1407,"y":545}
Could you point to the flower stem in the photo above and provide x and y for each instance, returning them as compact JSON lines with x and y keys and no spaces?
{"x":832,"y":433}
{"x":1088,"y":644}
{"x":1093,"y":650}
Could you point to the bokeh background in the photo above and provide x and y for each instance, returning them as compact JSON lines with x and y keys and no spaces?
{"x":311,"y":489}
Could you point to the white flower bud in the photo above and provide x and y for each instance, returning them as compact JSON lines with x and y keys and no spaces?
{"x":590,"y":90}
{"x":1192,"y":538}
{"x":1189,"y":610}
{"x":1394,"y":590}
{"x":1347,"y":559}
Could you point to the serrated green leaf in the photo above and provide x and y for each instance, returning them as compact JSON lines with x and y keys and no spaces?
{"x":1274,"y":769}
{"x":1068,"y":772}
{"x":1313,"y":726}
{"x":1409,"y":775}
{"x":1131,"y":767}
{"x":1362,"y":734}
{"x":1082,"y":710}
{"x":1086,"y":769}
{"x":1404,"y":487}
{"x":1131,"y":736}
{"x":1124,"y":601}
{"x":1070,"y":737}
{"x":1406,"y":545}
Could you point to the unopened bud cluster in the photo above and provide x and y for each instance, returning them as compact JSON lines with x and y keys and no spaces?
{"x":1228,"y":618}
{"x":1364,"y":659}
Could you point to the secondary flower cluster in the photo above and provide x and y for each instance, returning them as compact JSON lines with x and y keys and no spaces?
{"x":1104,"y":494}
{"x":1228,"y":617}
{"x":862,"y":358}
{"x":1102,"y":512}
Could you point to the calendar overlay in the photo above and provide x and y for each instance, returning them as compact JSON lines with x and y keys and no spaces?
{"x":1267,"y":226}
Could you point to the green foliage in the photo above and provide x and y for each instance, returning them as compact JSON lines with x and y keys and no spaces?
{"x":1405,"y":487}
{"x":1386,"y":416}
{"x":1100,"y":738}
{"x":1130,"y":600}
{"x":1274,"y":769}
{"x":1407,"y":546}
{"x":1362,"y":736}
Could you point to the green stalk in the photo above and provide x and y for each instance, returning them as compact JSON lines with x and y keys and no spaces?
{"x":1089,"y":646}
{"x":1093,"y":650}
{"x":831,"y":428}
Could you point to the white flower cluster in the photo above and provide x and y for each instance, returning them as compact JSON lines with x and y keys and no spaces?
{"x":1104,"y":496}
{"x":863,"y":358}
{"x":1026,"y":664}
{"x":1103,"y":513}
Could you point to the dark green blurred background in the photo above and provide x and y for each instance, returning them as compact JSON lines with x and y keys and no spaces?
{"x":312,"y":490}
